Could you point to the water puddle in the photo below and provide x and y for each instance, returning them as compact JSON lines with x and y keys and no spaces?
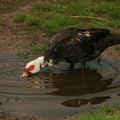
{"x":81,"y":102}
{"x":57,"y":92}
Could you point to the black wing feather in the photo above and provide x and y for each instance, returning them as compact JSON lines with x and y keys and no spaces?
{"x":77,"y":36}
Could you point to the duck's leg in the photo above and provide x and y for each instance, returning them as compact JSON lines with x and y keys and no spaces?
{"x":83,"y":64}
{"x":72,"y":66}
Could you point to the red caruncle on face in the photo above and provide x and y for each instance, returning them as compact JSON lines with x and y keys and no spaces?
{"x":30,"y":68}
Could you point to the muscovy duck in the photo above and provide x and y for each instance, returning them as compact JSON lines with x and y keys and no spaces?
{"x":74,"y":45}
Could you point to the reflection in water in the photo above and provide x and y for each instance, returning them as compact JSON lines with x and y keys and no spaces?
{"x":79,"y":83}
{"x":42,"y":81}
{"x":118,"y":94}
{"x":46,"y":93}
{"x":81,"y":102}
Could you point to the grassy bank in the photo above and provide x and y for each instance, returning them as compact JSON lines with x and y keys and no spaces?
{"x":9,"y":5}
{"x":52,"y":16}
{"x":105,"y":113}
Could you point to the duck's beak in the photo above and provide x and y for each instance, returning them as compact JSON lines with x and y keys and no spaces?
{"x":25,"y":74}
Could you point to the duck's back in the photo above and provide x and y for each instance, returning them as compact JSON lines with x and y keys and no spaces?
{"x":99,"y":33}
{"x":72,"y":41}
{"x":80,"y":36}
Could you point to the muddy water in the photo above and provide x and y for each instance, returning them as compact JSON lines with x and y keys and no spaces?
{"x":57,"y":92}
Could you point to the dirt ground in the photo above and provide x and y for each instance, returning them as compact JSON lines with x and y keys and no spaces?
{"x":17,"y":38}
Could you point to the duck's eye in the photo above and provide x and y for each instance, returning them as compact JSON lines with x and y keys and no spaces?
{"x":30,"y":68}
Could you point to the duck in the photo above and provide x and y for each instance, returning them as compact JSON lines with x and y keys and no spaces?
{"x":73,"y":45}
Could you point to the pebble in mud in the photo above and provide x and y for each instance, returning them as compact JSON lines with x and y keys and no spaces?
{"x":5,"y":116}
{"x":21,"y":118}
{"x":11,"y":99}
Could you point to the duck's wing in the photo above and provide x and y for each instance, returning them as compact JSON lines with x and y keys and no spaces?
{"x":62,"y":37}
{"x":85,"y":36}
{"x":79,"y":36}
{"x":74,"y":36}
{"x":58,"y":38}
{"x":99,"y":33}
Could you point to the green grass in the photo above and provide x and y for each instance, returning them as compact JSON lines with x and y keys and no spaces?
{"x":98,"y":8}
{"x":105,"y":113}
{"x":49,"y":22}
{"x":53,"y":16}
{"x":47,"y":7}
{"x":80,"y":8}
{"x":39,"y":47}
{"x":10,"y":5}
{"x":19,"y":17}
{"x":55,"y":22}
{"x":115,"y":23}
{"x":15,"y":4}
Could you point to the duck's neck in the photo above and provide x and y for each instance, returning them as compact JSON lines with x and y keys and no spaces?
{"x":40,"y":59}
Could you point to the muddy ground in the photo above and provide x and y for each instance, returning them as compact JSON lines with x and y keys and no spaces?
{"x":17,"y":39}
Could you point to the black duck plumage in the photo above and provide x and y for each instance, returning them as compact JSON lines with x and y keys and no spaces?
{"x":79,"y":45}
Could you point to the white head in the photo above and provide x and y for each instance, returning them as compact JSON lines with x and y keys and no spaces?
{"x":34,"y":66}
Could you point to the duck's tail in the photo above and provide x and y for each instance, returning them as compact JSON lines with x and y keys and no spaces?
{"x":112,"y":39}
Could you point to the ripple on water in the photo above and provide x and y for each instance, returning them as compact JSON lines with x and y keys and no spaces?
{"x":57,"y":88}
